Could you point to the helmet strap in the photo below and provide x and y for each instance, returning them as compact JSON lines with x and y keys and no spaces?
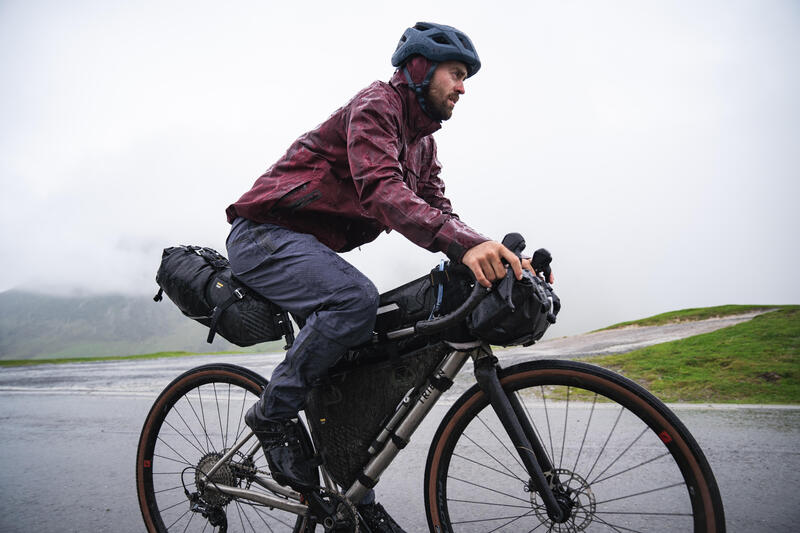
{"x":421,"y":89}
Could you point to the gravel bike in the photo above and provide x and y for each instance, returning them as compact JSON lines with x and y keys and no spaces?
{"x":544,"y":445}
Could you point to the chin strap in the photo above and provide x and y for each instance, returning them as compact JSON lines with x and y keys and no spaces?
{"x":420,"y":89}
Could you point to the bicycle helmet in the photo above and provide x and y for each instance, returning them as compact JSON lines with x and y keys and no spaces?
{"x":438,"y":43}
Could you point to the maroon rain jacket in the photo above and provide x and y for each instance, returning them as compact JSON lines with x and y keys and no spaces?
{"x":370,"y":167}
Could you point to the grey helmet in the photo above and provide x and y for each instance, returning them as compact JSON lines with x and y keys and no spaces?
{"x":438,"y":43}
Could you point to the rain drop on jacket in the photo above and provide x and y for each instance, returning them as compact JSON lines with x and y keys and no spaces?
{"x":370,"y":167}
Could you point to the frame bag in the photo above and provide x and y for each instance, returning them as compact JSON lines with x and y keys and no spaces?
{"x":200,"y":282}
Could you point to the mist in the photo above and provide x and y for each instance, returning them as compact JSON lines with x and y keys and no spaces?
{"x":652,"y":147}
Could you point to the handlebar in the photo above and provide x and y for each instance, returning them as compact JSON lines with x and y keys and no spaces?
{"x":516,"y":243}
{"x":435,"y":325}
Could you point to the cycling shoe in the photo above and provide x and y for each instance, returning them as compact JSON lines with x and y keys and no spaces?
{"x":290,"y":458}
{"x":378,"y":520}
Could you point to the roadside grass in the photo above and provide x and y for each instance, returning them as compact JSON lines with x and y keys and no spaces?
{"x":753,"y":362}
{"x":690,"y":315}
{"x":156,"y":355}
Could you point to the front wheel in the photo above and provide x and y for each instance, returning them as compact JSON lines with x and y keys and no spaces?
{"x":622,"y":459}
{"x":195,"y":420}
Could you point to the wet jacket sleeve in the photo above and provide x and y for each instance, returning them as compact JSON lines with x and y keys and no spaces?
{"x":432,"y":189}
{"x":373,"y":148}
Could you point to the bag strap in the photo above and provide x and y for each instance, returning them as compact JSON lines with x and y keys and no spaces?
{"x":235,"y":296}
{"x":438,"y":278}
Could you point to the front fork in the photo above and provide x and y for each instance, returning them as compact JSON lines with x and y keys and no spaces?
{"x":516,"y":423}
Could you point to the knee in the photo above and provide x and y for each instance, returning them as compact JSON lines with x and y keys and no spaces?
{"x":352,"y":319}
{"x":362,"y":300}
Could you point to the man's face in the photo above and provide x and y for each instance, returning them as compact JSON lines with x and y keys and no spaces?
{"x":446,"y":85}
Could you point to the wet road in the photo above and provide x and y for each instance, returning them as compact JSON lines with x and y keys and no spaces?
{"x":68,"y":437}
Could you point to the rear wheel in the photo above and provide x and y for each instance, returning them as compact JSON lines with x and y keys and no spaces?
{"x":194,"y":421}
{"x":621,"y":457}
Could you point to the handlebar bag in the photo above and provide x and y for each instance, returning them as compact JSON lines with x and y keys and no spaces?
{"x":516,"y":312}
{"x":200,"y":282}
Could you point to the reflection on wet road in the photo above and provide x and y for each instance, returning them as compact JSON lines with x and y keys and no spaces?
{"x":68,"y":437}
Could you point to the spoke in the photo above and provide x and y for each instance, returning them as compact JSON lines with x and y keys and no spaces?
{"x":167,"y":490}
{"x":243,"y":513}
{"x":490,"y":503}
{"x":536,"y":430}
{"x":564,"y":436}
{"x":219,"y":417}
{"x":203,"y":451}
{"x":512,"y":476}
{"x":192,"y":444}
{"x":492,"y":456}
{"x":600,"y":454}
{"x":239,"y":512}
{"x":537,"y":527}
{"x":623,"y":452}
{"x":191,"y":517}
{"x":176,"y":452}
{"x":197,"y":417}
{"x":513,"y":519}
{"x":178,"y":520}
{"x":203,"y":414}
{"x":585,"y":432}
{"x":184,"y":462}
{"x":547,"y":417}
{"x":489,"y":489}
{"x":617,"y":528}
{"x":239,"y":428}
{"x":261,"y":513}
{"x":641,"y":493}
{"x":513,"y":455}
{"x":656,"y":458}
{"x":228,"y":412}
{"x":174,"y":505}
{"x":642,"y":513}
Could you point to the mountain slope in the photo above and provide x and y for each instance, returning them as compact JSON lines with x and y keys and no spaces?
{"x":36,"y":326}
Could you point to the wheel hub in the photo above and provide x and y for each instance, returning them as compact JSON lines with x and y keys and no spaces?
{"x":575,"y":494}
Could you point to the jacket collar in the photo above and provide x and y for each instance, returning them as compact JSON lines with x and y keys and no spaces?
{"x":418,"y":122}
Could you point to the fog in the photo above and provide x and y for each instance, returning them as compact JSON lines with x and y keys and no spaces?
{"x":652,"y":147}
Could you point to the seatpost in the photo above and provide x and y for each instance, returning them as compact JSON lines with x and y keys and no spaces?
{"x":528,"y":449}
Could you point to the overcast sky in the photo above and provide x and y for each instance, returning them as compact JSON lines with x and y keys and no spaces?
{"x":653,"y":147}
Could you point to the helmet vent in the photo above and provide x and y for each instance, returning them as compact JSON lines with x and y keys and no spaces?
{"x":441,"y":39}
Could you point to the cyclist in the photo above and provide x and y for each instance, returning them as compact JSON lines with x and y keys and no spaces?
{"x":370,"y":167}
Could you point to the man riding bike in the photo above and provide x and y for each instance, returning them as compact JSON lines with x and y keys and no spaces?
{"x":370,"y":167}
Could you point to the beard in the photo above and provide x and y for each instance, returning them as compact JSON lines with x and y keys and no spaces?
{"x":437,"y":106}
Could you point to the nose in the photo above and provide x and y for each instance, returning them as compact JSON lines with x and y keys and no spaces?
{"x":459,"y":88}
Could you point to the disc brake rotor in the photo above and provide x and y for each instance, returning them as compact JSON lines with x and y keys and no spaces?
{"x":582,"y":500}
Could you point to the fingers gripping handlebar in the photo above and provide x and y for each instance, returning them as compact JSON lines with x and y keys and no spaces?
{"x":516,"y":243}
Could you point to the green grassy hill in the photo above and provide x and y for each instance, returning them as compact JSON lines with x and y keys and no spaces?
{"x":752,"y":362}
{"x":36,"y":326}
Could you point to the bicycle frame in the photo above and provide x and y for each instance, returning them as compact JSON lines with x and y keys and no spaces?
{"x":397,"y":433}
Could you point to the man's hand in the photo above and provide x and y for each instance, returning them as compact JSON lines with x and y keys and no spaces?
{"x":485,"y":262}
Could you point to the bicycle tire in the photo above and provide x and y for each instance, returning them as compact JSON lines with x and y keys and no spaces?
{"x":637,"y":469}
{"x":197,"y":418}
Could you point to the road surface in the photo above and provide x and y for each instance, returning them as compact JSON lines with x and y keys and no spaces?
{"x":68,"y":437}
